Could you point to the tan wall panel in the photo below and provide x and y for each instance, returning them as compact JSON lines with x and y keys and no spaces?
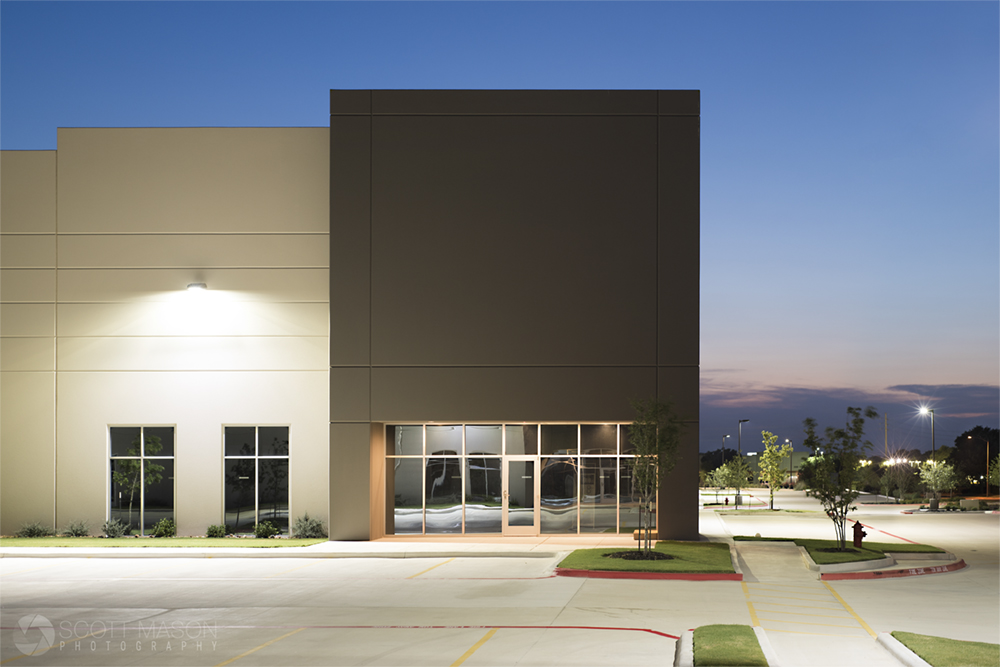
{"x":198,"y":405}
{"x":113,"y":285}
{"x":27,"y":285}
{"x":28,"y":203}
{"x":27,"y":354}
{"x":219,"y":353}
{"x":27,"y":319}
{"x":231,"y":180}
{"x":508,"y":394}
{"x":27,"y":450}
{"x":27,"y":251}
{"x":200,"y":314}
{"x":196,"y":251}
{"x":350,"y":486}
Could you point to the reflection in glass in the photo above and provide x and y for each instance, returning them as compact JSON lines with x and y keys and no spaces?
{"x":159,"y":440}
{"x":240,"y":441}
{"x":558,"y":501}
{"x":629,"y":501}
{"x":559,"y":439}
{"x":521,"y":439}
{"x":272,"y":441}
{"x":240,"y":500}
{"x":443,"y":484}
{"x":483,"y":499}
{"x":627,"y":447}
{"x":444,"y":440}
{"x":598,"y":494}
{"x":272,"y":492}
{"x":159,"y":495}
{"x":404,"y":440}
{"x":404,"y":488}
{"x":598,"y":439}
{"x":125,"y":441}
{"x":483,"y":439}
{"x":520,"y":493}
{"x":126,"y":492}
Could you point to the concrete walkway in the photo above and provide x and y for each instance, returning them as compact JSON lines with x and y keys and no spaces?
{"x":805,"y":620}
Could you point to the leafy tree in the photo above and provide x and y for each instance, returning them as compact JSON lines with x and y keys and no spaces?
{"x":770,"y":462}
{"x":241,"y":481}
{"x":994,"y":474}
{"x":712,"y":460}
{"x":656,"y":435}
{"x":127,"y":474}
{"x":736,"y":474}
{"x":717,"y":478}
{"x":938,"y":477}
{"x":969,"y":453}
{"x":835,"y":463}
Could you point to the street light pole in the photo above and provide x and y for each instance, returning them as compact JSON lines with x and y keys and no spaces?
{"x":739,"y":441}
{"x":930,"y":411}
{"x":987,"y":460}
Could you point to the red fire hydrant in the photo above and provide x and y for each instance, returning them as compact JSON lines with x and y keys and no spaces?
{"x":859,"y":534}
{"x":727,"y":502}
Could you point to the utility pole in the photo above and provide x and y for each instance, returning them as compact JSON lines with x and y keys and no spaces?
{"x":886,"y":415}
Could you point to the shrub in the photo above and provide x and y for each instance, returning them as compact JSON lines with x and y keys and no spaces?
{"x":114,"y":528}
{"x":265,"y":529}
{"x":216,"y":530}
{"x":35,"y":529}
{"x":164,"y":528}
{"x":308,"y":528}
{"x":77,"y":529}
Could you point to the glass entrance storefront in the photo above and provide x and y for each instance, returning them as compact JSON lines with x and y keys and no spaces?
{"x":509,"y":479}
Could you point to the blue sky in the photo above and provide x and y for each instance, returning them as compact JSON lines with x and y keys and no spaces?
{"x":850,"y":169}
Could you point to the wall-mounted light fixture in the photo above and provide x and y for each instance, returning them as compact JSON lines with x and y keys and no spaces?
{"x":193,"y":287}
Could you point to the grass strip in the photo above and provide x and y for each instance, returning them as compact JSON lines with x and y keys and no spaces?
{"x":202,"y":542}
{"x":871,"y":550}
{"x":942,"y":652}
{"x":707,"y":557}
{"x":722,"y":645}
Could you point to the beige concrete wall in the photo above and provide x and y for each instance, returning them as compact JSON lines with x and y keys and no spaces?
{"x":142,"y":213}
{"x":27,"y":338}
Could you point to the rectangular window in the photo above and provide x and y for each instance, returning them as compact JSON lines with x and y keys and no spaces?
{"x":256,"y":477}
{"x":142,"y":475}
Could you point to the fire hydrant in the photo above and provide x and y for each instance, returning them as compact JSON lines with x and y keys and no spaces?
{"x":859,"y":534}
{"x":727,"y":502}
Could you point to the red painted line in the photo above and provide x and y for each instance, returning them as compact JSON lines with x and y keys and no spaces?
{"x":889,"y":534}
{"x":681,"y":576}
{"x":890,"y":574}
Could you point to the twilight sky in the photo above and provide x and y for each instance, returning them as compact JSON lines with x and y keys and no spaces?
{"x":850,"y":158}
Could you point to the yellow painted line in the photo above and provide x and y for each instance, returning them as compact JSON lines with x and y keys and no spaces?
{"x":753,"y":614}
{"x":851,"y":611}
{"x":811,"y":634}
{"x":42,"y":650}
{"x":475,"y":647}
{"x":413,"y":576}
{"x":799,"y":613}
{"x":781,"y":586}
{"x":800,"y":591}
{"x":278,"y":574}
{"x":785,"y":597}
{"x":255,"y":649}
{"x":802,"y":606}
{"x":825,"y":625}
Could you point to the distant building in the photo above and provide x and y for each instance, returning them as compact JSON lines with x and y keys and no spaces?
{"x":426,"y":319}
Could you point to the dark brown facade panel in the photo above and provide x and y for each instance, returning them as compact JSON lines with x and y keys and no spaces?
{"x":350,"y":240}
{"x":679,"y":384}
{"x":350,"y":389}
{"x":508,"y":394}
{"x":514,"y":102}
{"x":514,"y":241}
{"x":677,"y":508}
{"x":350,"y":102}
{"x":679,"y":102}
{"x":679,"y":241}
{"x":350,"y":481}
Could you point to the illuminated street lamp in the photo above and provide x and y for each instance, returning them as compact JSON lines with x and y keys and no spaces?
{"x":987,"y":460}
{"x":924,"y":411}
{"x":739,"y":440}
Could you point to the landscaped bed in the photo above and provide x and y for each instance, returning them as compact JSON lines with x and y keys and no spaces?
{"x":204,"y":542}
{"x":823,"y":552}
{"x":941,"y":652}
{"x":687,"y":557}
{"x":721,"y":645}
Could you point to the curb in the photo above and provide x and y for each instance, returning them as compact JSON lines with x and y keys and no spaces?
{"x":899,"y":651}
{"x":852,"y":566}
{"x":265,"y":552}
{"x":684,"y":650}
{"x":765,"y":646}
{"x":681,"y":576}
{"x":889,"y":574}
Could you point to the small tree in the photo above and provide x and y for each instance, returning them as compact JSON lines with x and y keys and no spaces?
{"x":128,"y":472}
{"x":771,"y":469}
{"x":938,"y":477}
{"x":656,"y":435}
{"x":994,"y":472}
{"x":717,"y":478}
{"x":735,"y":475}
{"x":835,"y":463}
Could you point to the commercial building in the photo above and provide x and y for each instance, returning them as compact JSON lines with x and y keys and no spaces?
{"x":427,"y":318}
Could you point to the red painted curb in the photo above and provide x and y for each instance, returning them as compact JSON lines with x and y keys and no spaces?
{"x":888,"y":574}
{"x":682,"y":576}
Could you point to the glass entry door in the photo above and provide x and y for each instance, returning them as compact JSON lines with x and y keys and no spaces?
{"x":520,"y":491}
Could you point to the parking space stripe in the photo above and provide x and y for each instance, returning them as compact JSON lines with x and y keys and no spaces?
{"x":826,"y":625}
{"x":799,"y":613}
{"x":413,"y":576}
{"x":475,"y":647}
{"x":257,"y":648}
{"x":850,"y":611}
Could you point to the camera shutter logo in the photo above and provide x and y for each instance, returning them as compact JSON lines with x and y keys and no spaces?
{"x":31,"y":626}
